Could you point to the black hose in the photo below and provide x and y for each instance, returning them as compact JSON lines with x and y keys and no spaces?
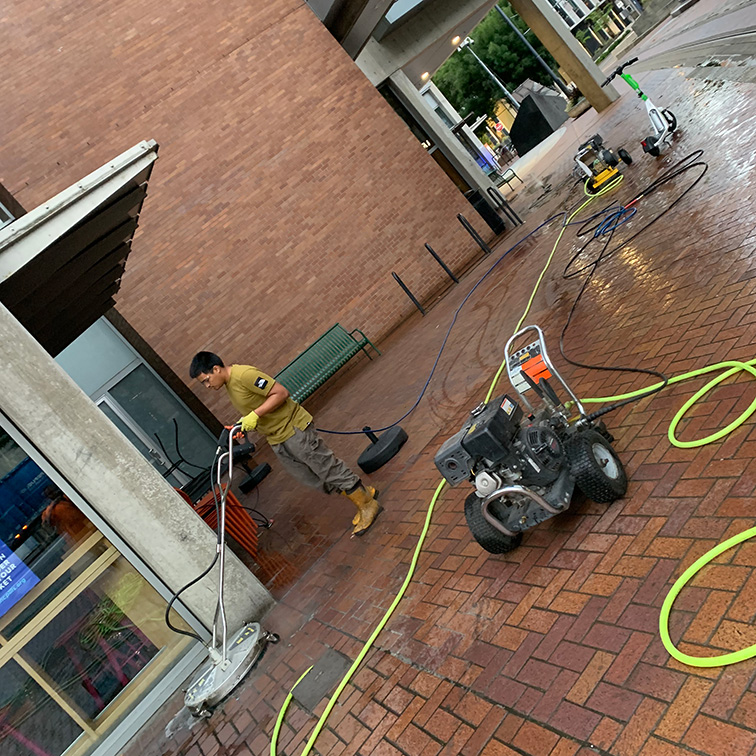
{"x":214,"y":486}
{"x":682,"y":166}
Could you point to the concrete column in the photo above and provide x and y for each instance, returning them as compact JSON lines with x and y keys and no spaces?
{"x":113,"y":478}
{"x":439,"y":132}
{"x":569,"y":53}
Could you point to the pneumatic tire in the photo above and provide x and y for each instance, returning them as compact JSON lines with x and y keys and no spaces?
{"x":597,"y":469}
{"x":624,"y":156}
{"x":490,"y":539}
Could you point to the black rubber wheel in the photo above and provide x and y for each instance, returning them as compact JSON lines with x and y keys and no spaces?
{"x":624,"y":156}
{"x":597,"y":469}
{"x":377,"y":454}
{"x":670,"y":118}
{"x":609,"y":158}
{"x":483,"y":532}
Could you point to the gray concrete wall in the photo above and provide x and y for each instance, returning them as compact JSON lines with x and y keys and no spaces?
{"x":111,"y":475}
{"x":435,"y":24}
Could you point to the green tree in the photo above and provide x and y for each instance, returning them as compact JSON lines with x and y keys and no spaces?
{"x":599,"y":19}
{"x":468,"y":87}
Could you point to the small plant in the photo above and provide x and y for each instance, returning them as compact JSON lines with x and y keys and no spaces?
{"x":574,"y":96}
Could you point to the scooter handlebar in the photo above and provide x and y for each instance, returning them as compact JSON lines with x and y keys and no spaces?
{"x":618,"y":71}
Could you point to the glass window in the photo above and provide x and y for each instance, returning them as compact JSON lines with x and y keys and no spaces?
{"x":95,"y":357}
{"x":6,"y":216}
{"x":30,"y":722}
{"x":149,"y":451}
{"x":100,"y":641}
{"x":77,"y":622}
{"x":445,"y":118}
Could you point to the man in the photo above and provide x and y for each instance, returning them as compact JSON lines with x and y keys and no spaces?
{"x":266,"y":407}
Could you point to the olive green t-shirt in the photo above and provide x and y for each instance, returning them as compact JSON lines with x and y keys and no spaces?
{"x":248,"y":388}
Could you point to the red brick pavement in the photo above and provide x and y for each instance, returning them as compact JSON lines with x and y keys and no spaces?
{"x":551,"y":650}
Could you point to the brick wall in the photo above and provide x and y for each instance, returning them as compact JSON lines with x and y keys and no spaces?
{"x":286,"y":190}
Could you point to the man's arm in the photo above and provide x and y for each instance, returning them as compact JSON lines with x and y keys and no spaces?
{"x":276,"y":397}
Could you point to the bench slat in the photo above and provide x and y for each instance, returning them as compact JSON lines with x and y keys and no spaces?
{"x":324,"y":357}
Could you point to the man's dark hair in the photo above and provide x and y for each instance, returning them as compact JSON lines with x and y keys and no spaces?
{"x":204,"y":362}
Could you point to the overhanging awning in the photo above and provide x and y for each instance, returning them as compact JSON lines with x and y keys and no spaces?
{"x":61,"y":264}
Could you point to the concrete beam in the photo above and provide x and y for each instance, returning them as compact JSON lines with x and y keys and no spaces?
{"x":362,"y":27}
{"x":433,"y":25}
{"x":546,"y":24}
{"x":352,"y":22}
{"x":110,"y":474}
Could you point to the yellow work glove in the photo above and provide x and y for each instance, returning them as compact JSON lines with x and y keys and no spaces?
{"x":249,"y":422}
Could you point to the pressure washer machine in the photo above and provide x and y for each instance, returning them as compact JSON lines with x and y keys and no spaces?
{"x":597,"y":164}
{"x":525,"y":461}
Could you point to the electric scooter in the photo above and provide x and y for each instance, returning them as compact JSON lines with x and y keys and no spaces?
{"x":663,"y":122}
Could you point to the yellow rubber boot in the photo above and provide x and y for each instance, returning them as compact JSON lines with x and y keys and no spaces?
{"x":373,"y":495}
{"x":367,"y":508}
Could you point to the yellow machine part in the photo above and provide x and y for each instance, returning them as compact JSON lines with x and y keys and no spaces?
{"x":604,"y":176}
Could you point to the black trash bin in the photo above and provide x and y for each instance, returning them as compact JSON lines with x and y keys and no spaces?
{"x":489,"y":215}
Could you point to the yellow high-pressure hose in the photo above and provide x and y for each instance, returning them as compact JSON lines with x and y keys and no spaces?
{"x":421,"y":540}
{"x":368,"y":644}
{"x":729,"y":368}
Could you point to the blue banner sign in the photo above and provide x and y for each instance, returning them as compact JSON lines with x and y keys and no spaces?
{"x":16,"y":579}
{"x":22,"y":498}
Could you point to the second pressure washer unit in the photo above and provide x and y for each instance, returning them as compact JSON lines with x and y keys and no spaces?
{"x":597,"y":164}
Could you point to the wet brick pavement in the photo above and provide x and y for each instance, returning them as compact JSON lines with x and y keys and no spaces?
{"x":553,"y":649}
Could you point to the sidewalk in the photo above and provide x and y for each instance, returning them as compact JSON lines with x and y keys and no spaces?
{"x":553,"y":649}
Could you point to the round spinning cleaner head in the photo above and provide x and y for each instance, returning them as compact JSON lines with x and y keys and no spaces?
{"x":219,"y":678}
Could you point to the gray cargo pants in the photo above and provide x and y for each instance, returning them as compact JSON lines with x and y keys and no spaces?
{"x":311,"y":462}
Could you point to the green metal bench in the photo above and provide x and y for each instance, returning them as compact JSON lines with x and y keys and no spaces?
{"x":321,"y":360}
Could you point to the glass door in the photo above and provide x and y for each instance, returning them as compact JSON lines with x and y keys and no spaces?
{"x":139,"y":403}
{"x":151,"y":409}
{"x":82,"y":633}
{"x":147,"y":448}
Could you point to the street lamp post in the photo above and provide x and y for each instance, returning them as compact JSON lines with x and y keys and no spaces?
{"x":467,"y":42}
{"x":532,"y":49}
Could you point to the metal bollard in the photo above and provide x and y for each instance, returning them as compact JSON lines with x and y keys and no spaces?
{"x":442,"y":263}
{"x":408,"y":293}
{"x":475,"y":235}
{"x":502,"y":204}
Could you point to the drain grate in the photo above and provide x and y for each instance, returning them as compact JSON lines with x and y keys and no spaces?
{"x":322,"y":679}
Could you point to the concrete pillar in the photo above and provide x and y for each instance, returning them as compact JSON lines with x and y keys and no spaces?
{"x":439,"y":132}
{"x":62,"y":422}
{"x":569,"y":53}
